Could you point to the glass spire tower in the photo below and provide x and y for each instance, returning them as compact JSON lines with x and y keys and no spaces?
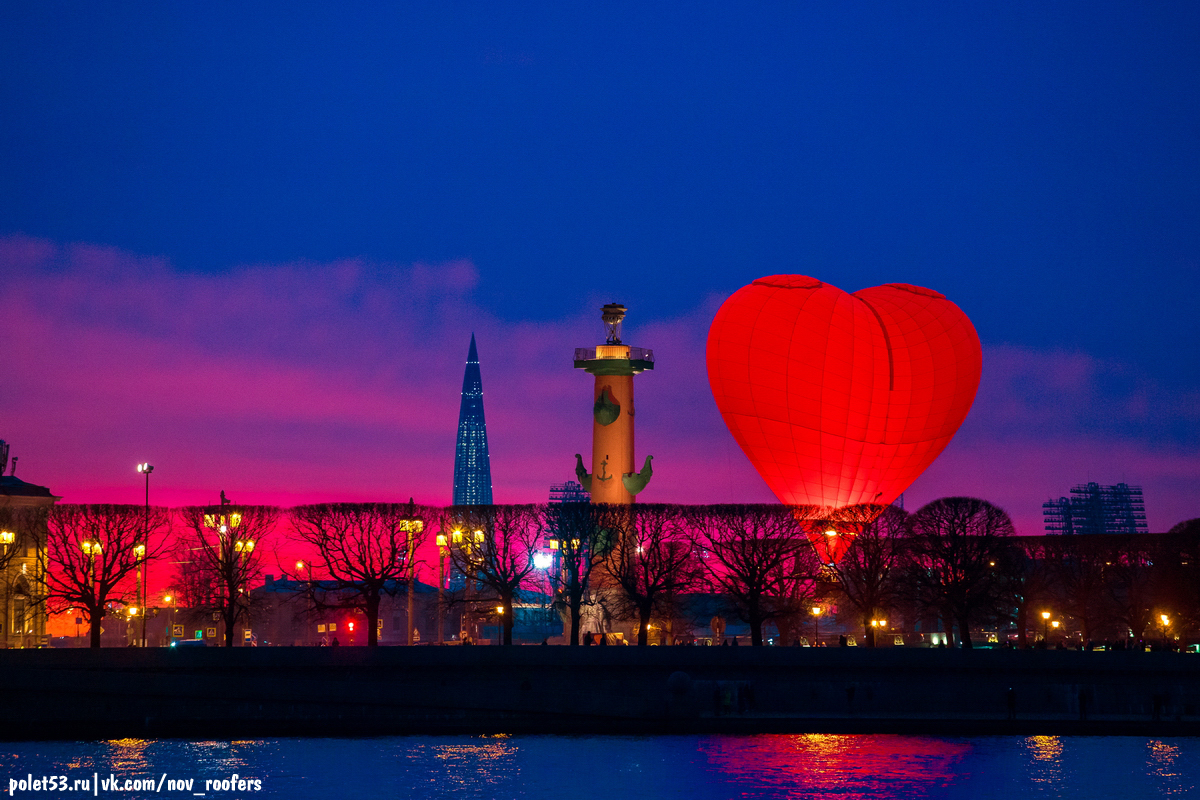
{"x":472,"y":466}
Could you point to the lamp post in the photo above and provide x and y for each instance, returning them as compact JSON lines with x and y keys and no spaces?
{"x":145,"y":469}
{"x":877,"y":624}
{"x":169,"y":633}
{"x":1045,"y":623}
{"x":464,"y":620}
{"x":441,"y":624}
{"x":542,"y":561}
{"x":139,"y":550}
{"x":229,"y":548}
{"x":411,"y":527}
{"x":816,"y":612}
{"x":91,"y":548}
{"x":1055,"y":625}
{"x":6,"y":538}
{"x":499,"y":624}
{"x":244,"y":547}
{"x":1166,"y":623}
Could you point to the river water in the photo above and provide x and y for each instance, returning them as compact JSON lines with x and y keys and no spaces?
{"x":622,"y":767}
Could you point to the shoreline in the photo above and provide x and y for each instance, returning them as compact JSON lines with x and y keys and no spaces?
{"x":340,"y":692}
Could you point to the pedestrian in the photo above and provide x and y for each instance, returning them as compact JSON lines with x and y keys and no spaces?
{"x":603,"y":638}
{"x":335,"y":642}
{"x":587,"y":639}
{"x":842,"y":642}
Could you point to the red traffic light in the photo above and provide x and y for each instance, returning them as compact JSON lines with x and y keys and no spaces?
{"x":351,"y":626}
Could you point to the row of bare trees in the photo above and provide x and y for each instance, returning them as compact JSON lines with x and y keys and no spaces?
{"x":955,"y":559}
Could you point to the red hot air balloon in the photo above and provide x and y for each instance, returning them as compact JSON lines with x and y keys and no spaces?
{"x":841,"y":399}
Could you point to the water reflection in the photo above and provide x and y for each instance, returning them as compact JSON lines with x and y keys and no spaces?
{"x":651,"y":767}
{"x":1045,"y":768}
{"x":851,"y":766}
{"x":128,"y":755}
{"x":1163,"y":764}
{"x":476,"y":765}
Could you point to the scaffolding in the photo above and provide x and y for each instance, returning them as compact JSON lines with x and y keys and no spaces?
{"x":1093,"y":508}
{"x":569,"y":492}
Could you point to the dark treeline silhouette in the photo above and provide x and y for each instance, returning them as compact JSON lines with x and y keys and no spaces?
{"x":954,"y":565}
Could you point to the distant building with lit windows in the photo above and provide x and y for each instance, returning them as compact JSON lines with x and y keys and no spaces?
{"x":23,"y":511}
{"x":472,"y":464}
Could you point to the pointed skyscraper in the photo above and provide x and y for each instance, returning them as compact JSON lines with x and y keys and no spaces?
{"x":472,"y":465}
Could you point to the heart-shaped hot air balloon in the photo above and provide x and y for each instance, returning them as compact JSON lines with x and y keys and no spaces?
{"x":841,"y":399}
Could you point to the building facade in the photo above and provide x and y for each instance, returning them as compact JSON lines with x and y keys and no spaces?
{"x":24,"y":508}
{"x":472,"y":463}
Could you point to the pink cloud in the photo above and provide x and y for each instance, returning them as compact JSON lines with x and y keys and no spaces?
{"x":290,"y":383}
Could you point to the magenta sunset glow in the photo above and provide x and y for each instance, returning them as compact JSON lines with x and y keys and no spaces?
{"x":295,"y":383}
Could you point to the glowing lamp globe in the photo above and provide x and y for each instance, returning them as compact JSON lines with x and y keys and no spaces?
{"x":841,"y":399}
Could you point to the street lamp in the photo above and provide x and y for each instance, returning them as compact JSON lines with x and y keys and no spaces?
{"x":442,"y":546}
{"x":170,"y":632}
{"x":543,"y":561}
{"x":1166,"y":623}
{"x":91,"y":548}
{"x":1045,"y":622}
{"x":139,"y":552}
{"x":816,"y":612}
{"x":232,"y":554}
{"x":6,"y":538}
{"x":410,"y":528}
{"x":145,"y":469}
{"x":499,"y":623}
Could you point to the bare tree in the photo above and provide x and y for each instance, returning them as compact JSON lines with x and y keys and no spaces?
{"x":1077,"y":564}
{"x":493,"y":547}
{"x":92,"y":551}
{"x":225,"y":547}
{"x":955,"y":548}
{"x":651,"y":561}
{"x":752,"y":552}
{"x":582,"y":534}
{"x":1134,"y":572}
{"x":870,"y":573}
{"x":1026,"y":581}
{"x":365,"y":549}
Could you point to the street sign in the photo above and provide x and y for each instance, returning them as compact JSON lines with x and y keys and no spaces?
{"x":177,"y":631}
{"x":246,"y":635}
{"x":210,"y":633}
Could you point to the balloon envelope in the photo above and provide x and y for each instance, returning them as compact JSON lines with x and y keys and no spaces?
{"x":841,"y":399}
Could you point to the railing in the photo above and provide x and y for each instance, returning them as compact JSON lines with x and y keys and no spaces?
{"x":632,"y":353}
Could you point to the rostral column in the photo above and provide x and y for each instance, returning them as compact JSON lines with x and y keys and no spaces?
{"x":612,"y":479}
